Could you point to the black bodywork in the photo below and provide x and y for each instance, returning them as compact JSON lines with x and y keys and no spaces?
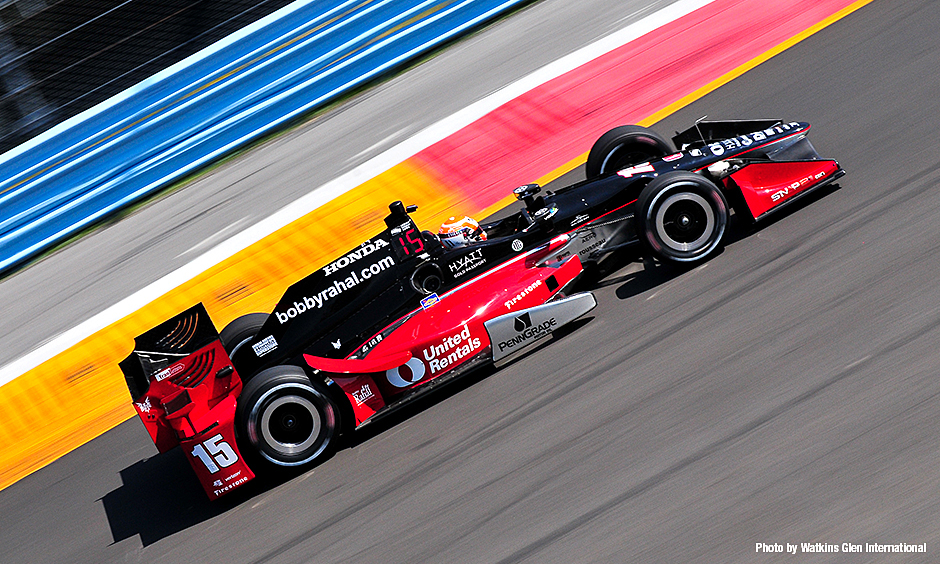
{"x":408,"y":265}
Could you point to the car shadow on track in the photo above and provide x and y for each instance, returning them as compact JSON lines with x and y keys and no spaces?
{"x":161,"y":496}
{"x":648,"y":274}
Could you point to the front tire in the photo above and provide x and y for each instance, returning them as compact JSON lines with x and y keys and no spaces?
{"x":625,"y":146}
{"x":286,"y":418}
{"x":681,"y":217}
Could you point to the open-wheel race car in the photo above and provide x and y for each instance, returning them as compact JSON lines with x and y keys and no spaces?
{"x":403,"y":312}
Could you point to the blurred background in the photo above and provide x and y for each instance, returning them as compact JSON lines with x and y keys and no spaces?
{"x":61,"y":57}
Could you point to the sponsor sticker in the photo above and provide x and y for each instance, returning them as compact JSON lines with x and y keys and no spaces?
{"x":372,"y":342}
{"x":638,"y":169}
{"x":579,"y":219}
{"x":145,"y":405}
{"x":516,"y":245}
{"x":264,"y":346}
{"x":364,"y":250}
{"x":169,"y":372}
{"x":362,"y":394}
{"x":402,"y":379}
{"x":467,"y":263}
{"x":797,"y":186}
{"x":526,"y":332}
{"x":522,"y":293}
{"x":430,"y":301}
{"x":317,"y":301}
{"x":450,"y":350}
{"x":517,"y":330}
{"x":741,"y":141}
{"x":438,"y":357}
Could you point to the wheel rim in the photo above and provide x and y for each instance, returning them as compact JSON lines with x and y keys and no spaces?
{"x":685,"y":222}
{"x":289,"y":426}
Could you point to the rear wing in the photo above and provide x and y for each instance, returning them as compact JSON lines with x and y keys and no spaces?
{"x":185,"y":390}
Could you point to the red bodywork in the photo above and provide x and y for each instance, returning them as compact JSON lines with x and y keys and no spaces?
{"x":767,"y":185}
{"x":446,"y":336}
{"x":191,"y":403}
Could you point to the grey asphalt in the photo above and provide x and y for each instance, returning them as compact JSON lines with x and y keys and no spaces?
{"x":784,"y":392}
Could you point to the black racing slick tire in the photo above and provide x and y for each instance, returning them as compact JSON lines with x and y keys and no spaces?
{"x":681,"y":217}
{"x":625,"y":146}
{"x":287,"y":419}
{"x":241,"y":330}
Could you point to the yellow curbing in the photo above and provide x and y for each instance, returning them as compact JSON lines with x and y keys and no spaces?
{"x":80,"y":394}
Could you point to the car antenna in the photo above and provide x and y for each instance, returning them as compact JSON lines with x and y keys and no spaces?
{"x":697,"y":128}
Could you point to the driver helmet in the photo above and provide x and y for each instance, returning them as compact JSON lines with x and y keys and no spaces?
{"x":455,"y":233}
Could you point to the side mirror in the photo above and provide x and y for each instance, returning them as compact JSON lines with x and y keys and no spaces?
{"x":527,"y":193}
{"x":544,"y":218}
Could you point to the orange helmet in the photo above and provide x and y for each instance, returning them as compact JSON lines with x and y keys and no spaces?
{"x":455,"y":233}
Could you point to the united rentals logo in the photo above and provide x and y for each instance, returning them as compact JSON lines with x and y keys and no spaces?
{"x":449,"y":352}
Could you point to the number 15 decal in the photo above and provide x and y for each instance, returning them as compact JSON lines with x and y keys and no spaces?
{"x":416,"y":244}
{"x":219,"y":455}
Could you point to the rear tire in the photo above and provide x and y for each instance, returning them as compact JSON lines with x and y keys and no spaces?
{"x":241,"y":330}
{"x":286,"y":418}
{"x":681,"y":217}
{"x":625,"y":146}
{"x":239,"y":333}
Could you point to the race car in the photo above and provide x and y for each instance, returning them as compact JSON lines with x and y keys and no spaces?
{"x":408,"y":310}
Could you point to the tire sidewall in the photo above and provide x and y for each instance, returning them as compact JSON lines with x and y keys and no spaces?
{"x":241,"y":330}
{"x":666,"y":190}
{"x":289,"y":387}
{"x":624,"y":139}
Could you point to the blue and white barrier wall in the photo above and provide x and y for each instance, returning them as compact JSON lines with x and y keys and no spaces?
{"x":295,"y":60}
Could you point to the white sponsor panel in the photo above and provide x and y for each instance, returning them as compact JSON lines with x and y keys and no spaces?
{"x":515,"y":331}
{"x":264,"y":346}
{"x":169,"y":372}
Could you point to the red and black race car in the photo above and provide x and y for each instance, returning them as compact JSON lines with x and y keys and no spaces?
{"x":401,"y":313}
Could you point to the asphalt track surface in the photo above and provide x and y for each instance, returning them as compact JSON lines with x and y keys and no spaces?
{"x":785,"y":391}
